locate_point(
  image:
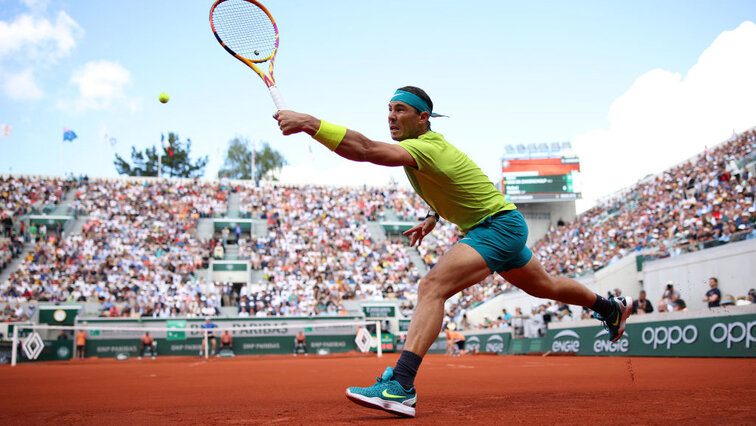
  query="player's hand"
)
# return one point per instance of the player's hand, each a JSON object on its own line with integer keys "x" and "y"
{"x": 291, "y": 122}
{"x": 418, "y": 232}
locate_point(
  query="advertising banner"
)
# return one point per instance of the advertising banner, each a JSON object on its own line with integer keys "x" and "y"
{"x": 725, "y": 336}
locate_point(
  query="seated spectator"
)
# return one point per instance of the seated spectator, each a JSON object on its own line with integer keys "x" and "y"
{"x": 727, "y": 300}
{"x": 641, "y": 305}
{"x": 670, "y": 296}
{"x": 680, "y": 305}
{"x": 713, "y": 296}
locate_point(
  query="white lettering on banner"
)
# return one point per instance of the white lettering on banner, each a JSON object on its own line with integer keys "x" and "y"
{"x": 261, "y": 346}
{"x": 566, "y": 345}
{"x": 621, "y": 345}
{"x": 103, "y": 349}
{"x": 473, "y": 344}
{"x": 746, "y": 333}
{"x": 602, "y": 344}
{"x": 495, "y": 343}
{"x": 332, "y": 344}
{"x": 661, "y": 336}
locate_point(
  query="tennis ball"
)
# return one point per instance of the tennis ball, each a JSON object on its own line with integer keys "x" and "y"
{"x": 257, "y": 52}
{"x": 163, "y": 97}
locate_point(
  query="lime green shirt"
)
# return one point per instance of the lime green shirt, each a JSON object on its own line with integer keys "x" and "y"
{"x": 451, "y": 183}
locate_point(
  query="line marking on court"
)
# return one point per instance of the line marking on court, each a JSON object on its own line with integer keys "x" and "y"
{"x": 460, "y": 366}
{"x": 196, "y": 363}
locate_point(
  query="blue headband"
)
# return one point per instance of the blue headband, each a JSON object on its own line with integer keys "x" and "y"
{"x": 414, "y": 101}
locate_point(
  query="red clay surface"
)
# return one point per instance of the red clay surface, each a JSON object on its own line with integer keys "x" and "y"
{"x": 483, "y": 389}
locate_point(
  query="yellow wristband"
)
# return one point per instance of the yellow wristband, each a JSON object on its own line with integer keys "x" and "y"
{"x": 330, "y": 135}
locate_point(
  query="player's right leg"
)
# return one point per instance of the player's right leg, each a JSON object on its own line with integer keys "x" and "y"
{"x": 533, "y": 279}
{"x": 394, "y": 391}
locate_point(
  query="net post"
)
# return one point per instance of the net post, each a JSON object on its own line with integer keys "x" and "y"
{"x": 14, "y": 346}
{"x": 207, "y": 345}
{"x": 379, "y": 351}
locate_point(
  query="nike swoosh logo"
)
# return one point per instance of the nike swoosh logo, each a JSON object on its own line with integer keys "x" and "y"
{"x": 388, "y": 395}
{"x": 619, "y": 316}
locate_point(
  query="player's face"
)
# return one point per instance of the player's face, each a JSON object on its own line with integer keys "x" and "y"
{"x": 405, "y": 122}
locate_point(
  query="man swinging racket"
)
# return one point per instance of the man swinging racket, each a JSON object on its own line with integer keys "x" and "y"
{"x": 456, "y": 189}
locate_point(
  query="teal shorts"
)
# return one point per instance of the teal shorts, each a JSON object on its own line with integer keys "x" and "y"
{"x": 500, "y": 239}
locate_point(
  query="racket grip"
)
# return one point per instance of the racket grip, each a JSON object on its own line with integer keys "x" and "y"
{"x": 277, "y": 98}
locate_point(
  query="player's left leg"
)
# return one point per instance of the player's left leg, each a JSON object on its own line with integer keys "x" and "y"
{"x": 533, "y": 279}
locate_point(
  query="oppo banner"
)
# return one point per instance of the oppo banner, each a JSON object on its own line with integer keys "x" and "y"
{"x": 726, "y": 336}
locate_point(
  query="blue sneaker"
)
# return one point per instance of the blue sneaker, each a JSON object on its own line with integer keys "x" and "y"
{"x": 386, "y": 394}
{"x": 615, "y": 322}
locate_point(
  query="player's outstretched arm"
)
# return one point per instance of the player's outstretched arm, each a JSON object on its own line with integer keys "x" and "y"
{"x": 353, "y": 145}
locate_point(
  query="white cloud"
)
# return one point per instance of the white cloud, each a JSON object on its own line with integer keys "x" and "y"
{"x": 21, "y": 86}
{"x": 30, "y": 42}
{"x": 99, "y": 83}
{"x": 665, "y": 118}
{"x": 36, "y": 37}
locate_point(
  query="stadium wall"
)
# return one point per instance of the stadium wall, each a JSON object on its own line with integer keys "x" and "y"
{"x": 734, "y": 265}
{"x": 719, "y": 332}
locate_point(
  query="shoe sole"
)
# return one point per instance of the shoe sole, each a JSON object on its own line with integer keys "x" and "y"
{"x": 392, "y": 407}
{"x": 626, "y": 311}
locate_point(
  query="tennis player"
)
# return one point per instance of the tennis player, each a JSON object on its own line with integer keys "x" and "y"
{"x": 456, "y": 189}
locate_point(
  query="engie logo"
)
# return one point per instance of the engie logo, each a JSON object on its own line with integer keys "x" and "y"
{"x": 668, "y": 336}
{"x": 473, "y": 344}
{"x": 721, "y": 332}
{"x": 566, "y": 345}
{"x": 602, "y": 344}
{"x": 495, "y": 343}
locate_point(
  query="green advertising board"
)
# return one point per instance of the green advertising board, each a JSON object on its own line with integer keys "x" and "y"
{"x": 379, "y": 311}
{"x": 714, "y": 336}
{"x": 58, "y": 315}
{"x": 476, "y": 341}
{"x": 270, "y": 345}
{"x": 49, "y": 220}
{"x": 251, "y": 336}
{"x": 245, "y": 224}
{"x": 230, "y": 266}
{"x": 176, "y": 335}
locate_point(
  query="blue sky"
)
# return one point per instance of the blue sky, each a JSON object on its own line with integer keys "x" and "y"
{"x": 637, "y": 86}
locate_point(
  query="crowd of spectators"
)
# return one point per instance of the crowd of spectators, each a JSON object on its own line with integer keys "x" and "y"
{"x": 318, "y": 238}
{"x": 701, "y": 203}
{"x": 21, "y": 195}
{"x": 138, "y": 252}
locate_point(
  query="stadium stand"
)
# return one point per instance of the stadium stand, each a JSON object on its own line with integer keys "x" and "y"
{"x": 138, "y": 254}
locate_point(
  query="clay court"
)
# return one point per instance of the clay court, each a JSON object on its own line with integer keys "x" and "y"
{"x": 482, "y": 389}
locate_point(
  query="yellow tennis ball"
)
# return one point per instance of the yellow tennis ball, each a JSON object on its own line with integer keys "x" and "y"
{"x": 163, "y": 97}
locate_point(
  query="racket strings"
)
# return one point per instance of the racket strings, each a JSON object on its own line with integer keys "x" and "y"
{"x": 245, "y": 28}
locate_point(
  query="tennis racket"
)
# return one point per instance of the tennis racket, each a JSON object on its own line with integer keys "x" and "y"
{"x": 247, "y": 31}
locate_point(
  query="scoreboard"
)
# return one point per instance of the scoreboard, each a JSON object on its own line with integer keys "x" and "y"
{"x": 541, "y": 179}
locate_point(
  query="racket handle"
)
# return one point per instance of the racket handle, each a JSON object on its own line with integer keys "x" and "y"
{"x": 277, "y": 98}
